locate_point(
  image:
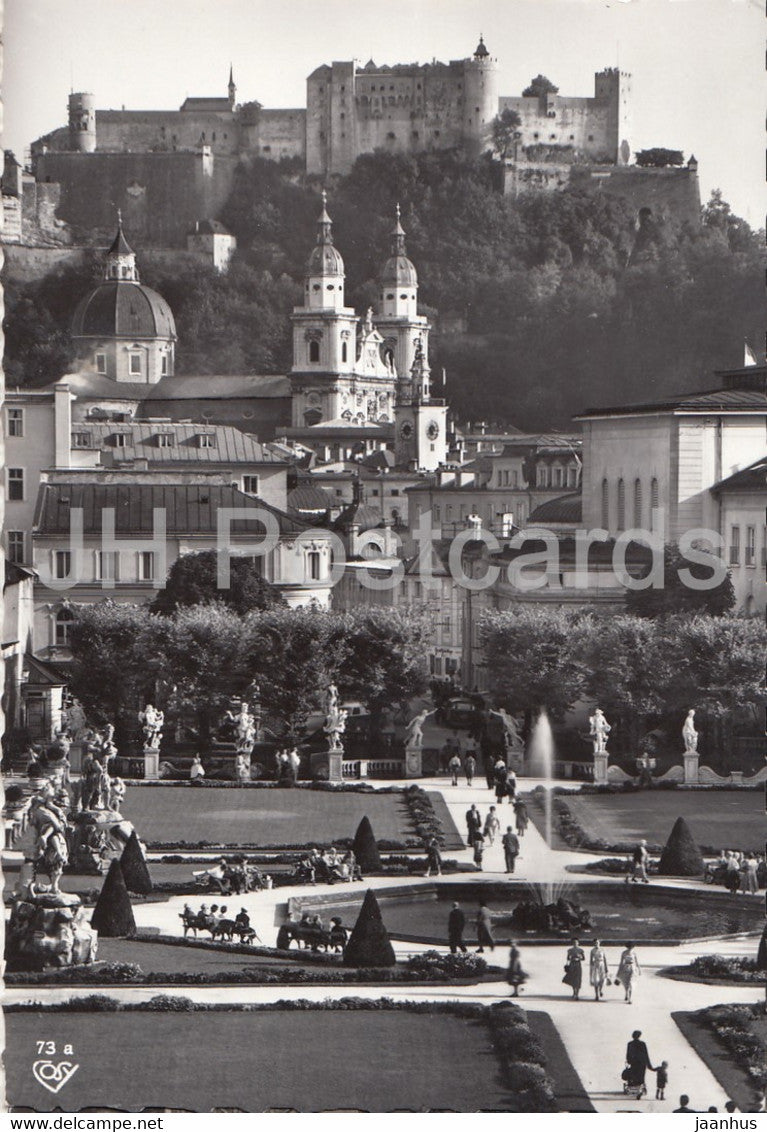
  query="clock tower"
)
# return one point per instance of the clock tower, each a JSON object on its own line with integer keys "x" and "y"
{"x": 420, "y": 422}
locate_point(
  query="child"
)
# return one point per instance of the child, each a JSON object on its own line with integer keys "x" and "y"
{"x": 479, "y": 849}
{"x": 661, "y": 1080}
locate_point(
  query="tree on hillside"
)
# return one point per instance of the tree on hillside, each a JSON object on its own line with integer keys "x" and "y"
{"x": 659, "y": 158}
{"x": 675, "y": 597}
{"x": 193, "y": 580}
{"x": 506, "y": 131}
{"x": 539, "y": 86}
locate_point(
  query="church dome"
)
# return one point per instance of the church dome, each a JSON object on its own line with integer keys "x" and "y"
{"x": 123, "y": 309}
{"x": 325, "y": 260}
{"x": 399, "y": 271}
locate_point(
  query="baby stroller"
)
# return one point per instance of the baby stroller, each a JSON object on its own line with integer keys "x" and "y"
{"x": 633, "y": 1082}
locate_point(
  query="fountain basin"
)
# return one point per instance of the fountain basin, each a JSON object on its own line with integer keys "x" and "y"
{"x": 654, "y": 913}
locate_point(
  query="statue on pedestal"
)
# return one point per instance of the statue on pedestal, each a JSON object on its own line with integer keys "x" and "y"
{"x": 414, "y": 733}
{"x": 689, "y": 734}
{"x": 152, "y": 721}
{"x": 48, "y": 853}
{"x": 599, "y": 729}
{"x": 511, "y": 731}
{"x": 244, "y": 725}
{"x": 335, "y": 719}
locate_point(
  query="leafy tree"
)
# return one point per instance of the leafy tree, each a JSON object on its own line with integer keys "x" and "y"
{"x": 378, "y": 655}
{"x": 505, "y": 131}
{"x": 539, "y": 86}
{"x": 659, "y": 158}
{"x": 674, "y": 597}
{"x": 193, "y": 580}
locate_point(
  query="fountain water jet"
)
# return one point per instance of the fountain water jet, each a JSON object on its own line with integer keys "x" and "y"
{"x": 540, "y": 758}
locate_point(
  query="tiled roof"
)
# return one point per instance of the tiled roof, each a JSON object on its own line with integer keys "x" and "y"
{"x": 194, "y": 103}
{"x": 362, "y": 515}
{"x": 563, "y": 509}
{"x": 190, "y": 509}
{"x": 310, "y": 497}
{"x": 207, "y": 387}
{"x": 716, "y": 400}
{"x": 752, "y": 478}
{"x": 230, "y": 445}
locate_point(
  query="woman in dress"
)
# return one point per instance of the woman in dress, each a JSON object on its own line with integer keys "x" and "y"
{"x": 628, "y": 971}
{"x": 752, "y": 875}
{"x": 637, "y": 1064}
{"x": 515, "y": 975}
{"x": 484, "y": 928}
{"x": 479, "y": 849}
{"x": 574, "y": 968}
{"x": 521, "y": 817}
{"x": 597, "y": 969}
{"x": 492, "y": 825}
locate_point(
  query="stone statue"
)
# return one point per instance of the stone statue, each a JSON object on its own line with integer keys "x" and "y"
{"x": 152, "y": 721}
{"x": 599, "y": 730}
{"x": 244, "y": 724}
{"x": 49, "y": 852}
{"x": 689, "y": 734}
{"x": 116, "y": 794}
{"x": 331, "y": 699}
{"x": 414, "y": 733}
{"x": 511, "y": 730}
{"x": 76, "y": 722}
{"x": 335, "y": 722}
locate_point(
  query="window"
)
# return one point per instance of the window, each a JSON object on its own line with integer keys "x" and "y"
{"x": 134, "y": 364}
{"x": 621, "y": 505}
{"x": 637, "y": 503}
{"x": 250, "y": 485}
{"x": 207, "y": 440}
{"x": 734, "y": 546}
{"x": 15, "y": 422}
{"x": 16, "y": 546}
{"x": 654, "y": 501}
{"x": 106, "y": 565}
{"x": 62, "y": 563}
{"x": 146, "y": 566}
{"x": 16, "y": 484}
{"x": 750, "y": 546}
{"x": 344, "y": 351}
{"x": 101, "y": 363}
{"x": 313, "y": 558}
{"x": 542, "y": 477}
{"x": 64, "y": 619}
{"x": 165, "y": 439}
{"x": 558, "y": 477}
{"x": 120, "y": 439}
{"x": 164, "y": 365}
{"x": 81, "y": 440}
{"x": 314, "y": 351}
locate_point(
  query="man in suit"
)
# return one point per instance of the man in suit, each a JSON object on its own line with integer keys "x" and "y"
{"x": 473, "y": 825}
{"x": 510, "y": 843}
{"x": 456, "y": 922}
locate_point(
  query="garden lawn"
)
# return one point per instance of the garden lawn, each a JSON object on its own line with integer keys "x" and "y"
{"x": 168, "y": 815}
{"x": 718, "y": 819}
{"x": 725, "y": 1065}
{"x": 373, "y": 1061}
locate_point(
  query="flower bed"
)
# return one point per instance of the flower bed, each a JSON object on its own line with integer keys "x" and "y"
{"x": 722, "y": 970}
{"x": 740, "y": 1031}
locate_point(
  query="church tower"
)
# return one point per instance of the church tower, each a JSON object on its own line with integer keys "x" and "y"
{"x": 335, "y": 377}
{"x": 231, "y": 88}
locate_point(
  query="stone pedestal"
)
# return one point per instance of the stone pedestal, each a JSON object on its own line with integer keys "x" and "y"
{"x": 691, "y": 764}
{"x": 151, "y": 763}
{"x": 413, "y": 762}
{"x": 600, "y": 768}
{"x": 48, "y": 930}
{"x": 335, "y": 766}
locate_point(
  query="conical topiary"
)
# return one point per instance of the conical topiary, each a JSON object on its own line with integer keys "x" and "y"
{"x": 369, "y": 944}
{"x": 681, "y": 856}
{"x": 365, "y": 848}
{"x": 134, "y": 867}
{"x": 113, "y": 914}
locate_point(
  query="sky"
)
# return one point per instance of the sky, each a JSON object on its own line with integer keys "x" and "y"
{"x": 697, "y": 65}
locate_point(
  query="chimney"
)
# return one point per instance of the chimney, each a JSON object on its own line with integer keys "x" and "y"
{"x": 62, "y": 425}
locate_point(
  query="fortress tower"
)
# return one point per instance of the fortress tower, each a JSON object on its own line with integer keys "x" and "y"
{"x": 82, "y": 123}
{"x": 480, "y": 97}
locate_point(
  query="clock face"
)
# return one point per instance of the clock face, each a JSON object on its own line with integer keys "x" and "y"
{"x": 406, "y": 430}
{"x": 432, "y": 430}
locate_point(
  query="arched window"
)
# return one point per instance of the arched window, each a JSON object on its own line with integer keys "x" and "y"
{"x": 621, "y": 505}
{"x": 637, "y": 502}
{"x": 344, "y": 351}
{"x": 64, "y": 619}
{"x": 314, "y": 351}
{"x": 654, "y": 501}
{"x": 605, "y": 504}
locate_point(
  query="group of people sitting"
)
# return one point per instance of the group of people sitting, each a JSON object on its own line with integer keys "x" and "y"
{"x": 328, "y": 866}
{"x": 312, "y": 922}
{"x": 219, "y": 922}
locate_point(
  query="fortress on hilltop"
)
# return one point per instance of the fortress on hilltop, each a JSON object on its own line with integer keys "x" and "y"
{"x": 169, "y": 169}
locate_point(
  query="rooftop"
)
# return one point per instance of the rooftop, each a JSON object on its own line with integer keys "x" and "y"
{"x": 752, "y": 478}
{"x": 708, "y": 401}
{"x": 223, "y": 444}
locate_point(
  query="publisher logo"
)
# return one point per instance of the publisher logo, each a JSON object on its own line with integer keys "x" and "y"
{"x": 53, "y": 1075}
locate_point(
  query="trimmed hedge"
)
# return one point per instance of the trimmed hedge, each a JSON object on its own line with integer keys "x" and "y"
{"x": 733, "y": 1025}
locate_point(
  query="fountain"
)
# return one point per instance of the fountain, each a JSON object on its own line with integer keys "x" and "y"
{"x": 540, "y": 759}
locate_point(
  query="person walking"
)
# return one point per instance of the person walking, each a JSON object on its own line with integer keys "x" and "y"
{"x": 628, "y": 971}
{"x": 511, "y": 786}
{"x": 469, "y": 766}
{"x": 515, "y": 976}
{"x": 473, "y": 825}
{"x": 574, "y": 968}
{"x": 499, "y": 779}
{"x": 732, "y": 876}
{"x": 197, "y": 771}
{"x": 510, "y": 843}
{"x": 521, "y": 816}
{"x": 598, "y": 972}
{"x": 479, "y": 850}
{"x": 454, "y": 766}
{"x": 751, "y": 886}
{"x": 456, "y": 923}
{"x": 492, "y": 825}
{"x": 637, "y": 1064}
{"x": 661, "y": 1080}
{"x": 639, "y": 860}
{"x": 484, "y": 928}
{"x": 433, "y": 858}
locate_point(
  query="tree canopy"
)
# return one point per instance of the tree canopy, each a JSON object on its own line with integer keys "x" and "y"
{"x": 658, "y": 157}
{"x": 539, "y": 86}
{"x": 193, "y": 580}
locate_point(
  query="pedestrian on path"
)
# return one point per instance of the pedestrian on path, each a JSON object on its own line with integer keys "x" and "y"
{"x": 751, "y": 876}
{"x": 574, "y": 968}
{"x": 661, "y": 1080}
{"x": 637, "y": 1064}
{"x": 484, "y": 928}
{"x": 639, "y": 861}
{"x": 479, "y": 850}
{"x": 499, "y": 778}
{"x": 456, "y": 923}
{"x": 492, "y": 825}
{"x": 469, "y": 766}
{"x": 454, "y": 766}
{"x": 487, "y": 764}
{"x": 515, "y": 975}
{"x": 511, "y": 786}
{"x": 510, "y": 843}
{"x": 628, "y": 971}
{"x": 473, "y": 825}
{"x": 598, "y": 973}
{"x": 521, "y": 816}
{"x": 433, "y": 858}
